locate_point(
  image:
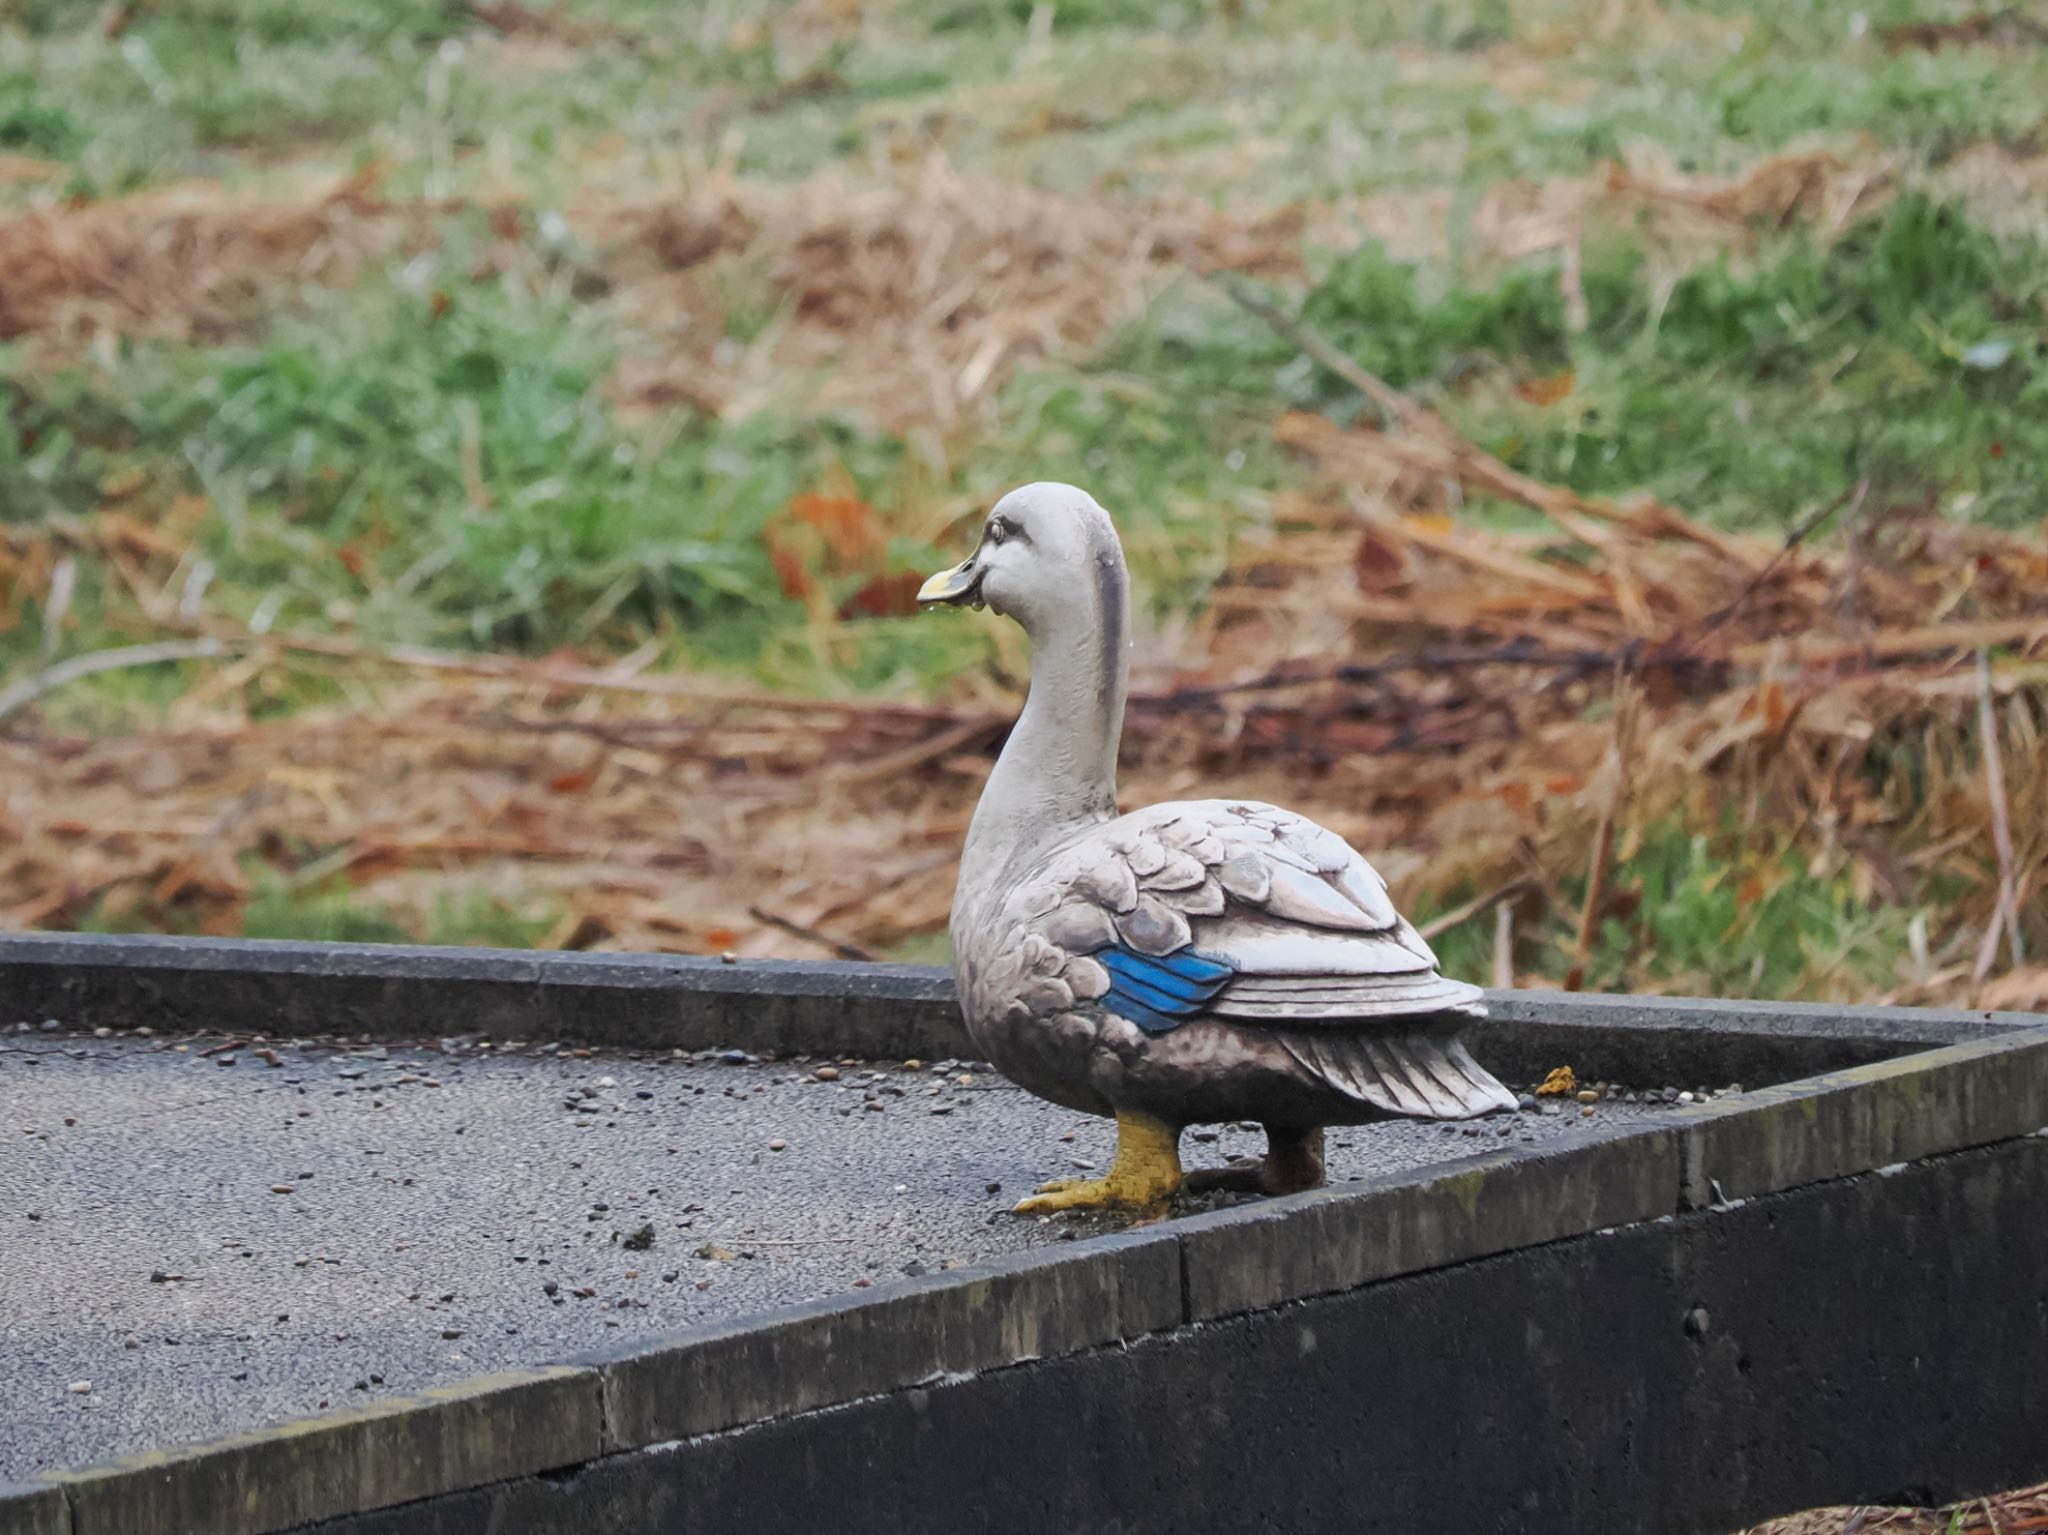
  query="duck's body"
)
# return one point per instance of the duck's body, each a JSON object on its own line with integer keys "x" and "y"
{"x": 1195, "y": 961}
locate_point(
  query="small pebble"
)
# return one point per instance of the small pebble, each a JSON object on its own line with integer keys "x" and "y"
{"x": 1526, "y": 1102}
{"x": 79, "y": 1387}
{"x": 827, "y": 1073}
{"x": 1586, "y": 1112}
{"x": 281, "y": 1188}
{"x": 1685, "y": 1097}
{"x": 778, "y": 1145}
{"x": 734, "y": 1057}
{"x": 451, "y": 1332}
{"x": 1588, "y": 1095}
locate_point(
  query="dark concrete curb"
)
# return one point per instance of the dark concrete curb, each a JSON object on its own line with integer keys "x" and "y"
{"x": 1031, "y": 1306}
{"x": 33, "y": 1510}
{"x": 395, "y": 991}
{"x": 1875, "y": 1116}
{"x": 1280, "y": 1250}
{"x": 488, "y": 1429}
{"x": 884, "y": 1012}
{"x": 1859, "y": 1341}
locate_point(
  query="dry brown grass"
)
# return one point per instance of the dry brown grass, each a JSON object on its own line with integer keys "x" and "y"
{"x": 1417, "y": 684}
{"x": 905, "y": 303}
{"x": 191, "y": 264}
{"x": 2011, "y": 1513}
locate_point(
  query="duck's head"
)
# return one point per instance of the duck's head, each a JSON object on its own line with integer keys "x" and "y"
{"x": 1048, "y": 556}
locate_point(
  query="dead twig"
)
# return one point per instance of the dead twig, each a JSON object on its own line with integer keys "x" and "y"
{"x": 810, "y": 934}
{"x": 1601, "y": 866}
{"x": 2008, "y": 911}
{"x": 48, "y": 680}
{"x": 556, "y": 674}
{"x": 1853, "y": 498}
{"x": 1394, "y": 406}
{"x": 1504, "y": 945}
{"x": 1472, "y": 908}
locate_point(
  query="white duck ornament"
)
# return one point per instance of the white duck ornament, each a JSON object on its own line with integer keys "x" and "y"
{"x": 1198, "y": 961}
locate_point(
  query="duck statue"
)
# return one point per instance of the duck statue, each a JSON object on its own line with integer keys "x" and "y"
{"x": 1194, "y": 962}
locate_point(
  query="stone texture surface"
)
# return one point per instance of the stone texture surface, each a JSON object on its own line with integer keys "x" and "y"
{"x": 1864, "y": 1340}
{"x": 1312, "y": 1244}
{"x": 1868, "y": 1117}
{"x": 486, "y": 1430}
{"x": 1032, "y": 1306}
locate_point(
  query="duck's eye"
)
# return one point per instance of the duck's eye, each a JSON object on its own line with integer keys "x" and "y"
{"x": 998, "y": 531}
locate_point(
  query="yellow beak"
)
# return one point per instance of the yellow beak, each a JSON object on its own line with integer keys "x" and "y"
{"x": 954, "y": 585}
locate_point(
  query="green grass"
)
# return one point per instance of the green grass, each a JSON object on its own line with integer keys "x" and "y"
{"x": 1911, "y": 352}
{"x": 1731, "y": 913}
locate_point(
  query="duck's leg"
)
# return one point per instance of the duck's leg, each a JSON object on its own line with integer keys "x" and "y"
{"x": 1293, "y": 1162}
{"x": 1144, "y": 1174}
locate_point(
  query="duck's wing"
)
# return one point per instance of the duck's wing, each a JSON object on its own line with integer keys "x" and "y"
{"x": 1247, "y": 913}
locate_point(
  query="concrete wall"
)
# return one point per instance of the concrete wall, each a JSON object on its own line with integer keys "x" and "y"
{"x": 1875, "y": 1338}
{"x": 1820, "y": 1291}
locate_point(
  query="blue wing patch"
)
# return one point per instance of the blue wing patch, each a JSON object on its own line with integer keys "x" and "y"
{"x": 1160, "y": 992}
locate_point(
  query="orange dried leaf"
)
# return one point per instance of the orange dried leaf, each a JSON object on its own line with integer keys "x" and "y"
{"x": 1548, "y": 389}
{"x": 790, "y": 575}
{"x": 892, "y": 596}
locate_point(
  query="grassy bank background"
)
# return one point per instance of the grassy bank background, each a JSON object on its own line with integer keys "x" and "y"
{"x": 1592, "y": 455}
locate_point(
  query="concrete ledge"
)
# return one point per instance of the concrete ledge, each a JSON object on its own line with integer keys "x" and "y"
{"x": 33, "y": 1511}
{"x": 1338, "y": 1239}
{"x": 396, "y": 991}
{"x": 1033, "y": 1306}
{"x": 1710, "y": 1041}
{"x": 884, "y": 1012}
{"x": 1874, "y": 1116}
{"x": 1863, "y": 1340}
{"x": 488, "y": 1429}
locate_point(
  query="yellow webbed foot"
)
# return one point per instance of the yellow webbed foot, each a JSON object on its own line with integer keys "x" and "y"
{"x": 1061, "y": 1185}
{"x": 1144, "y": 1175}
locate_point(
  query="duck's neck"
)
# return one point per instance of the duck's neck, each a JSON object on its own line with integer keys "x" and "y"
{"x": 1057, "y": 772}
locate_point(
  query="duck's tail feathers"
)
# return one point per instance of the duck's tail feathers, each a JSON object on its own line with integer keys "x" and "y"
{"x": 1424, "y": 1074}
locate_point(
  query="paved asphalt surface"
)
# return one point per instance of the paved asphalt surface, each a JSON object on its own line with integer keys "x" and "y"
{"x": 195, "y": 1242}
